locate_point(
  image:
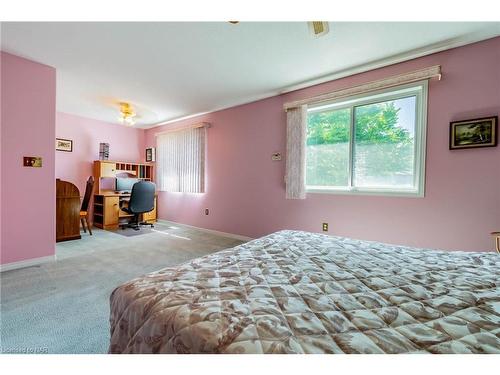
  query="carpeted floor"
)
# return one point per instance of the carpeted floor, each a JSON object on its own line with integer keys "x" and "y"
{"x": 63, "y": 306}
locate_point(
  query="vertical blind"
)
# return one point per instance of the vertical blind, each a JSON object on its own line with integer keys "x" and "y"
{"x": 181, "y": 160}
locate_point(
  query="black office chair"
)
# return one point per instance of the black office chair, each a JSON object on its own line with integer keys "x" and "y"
{"x": 142, "y": 200}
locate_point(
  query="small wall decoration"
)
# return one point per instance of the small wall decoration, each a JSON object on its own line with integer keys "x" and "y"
{"x": 103, "y": 151}
{"x": 32, "y": 161}
{"x": 150, "y": 154}
{"x": 64, "y": 145}
{"x": 481, "y": 132}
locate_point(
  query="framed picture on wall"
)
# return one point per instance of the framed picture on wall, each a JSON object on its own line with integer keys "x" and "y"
{"x": 150, "y": 154}
{"x": 64, "y": 145}
{"x": 481, "y": 132}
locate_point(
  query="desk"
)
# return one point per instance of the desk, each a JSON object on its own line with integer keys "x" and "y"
{"x": 107, "y": 212}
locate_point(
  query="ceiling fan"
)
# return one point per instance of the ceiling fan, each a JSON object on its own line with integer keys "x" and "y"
{"x": 127, "y": 114}
{"x": 317, "y": 28}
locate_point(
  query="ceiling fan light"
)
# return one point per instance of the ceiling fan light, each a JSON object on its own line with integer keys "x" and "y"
{"x": 129, "y": 121}
{"x": 128, "y": 114}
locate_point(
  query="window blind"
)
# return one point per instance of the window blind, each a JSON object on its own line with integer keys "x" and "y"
{"x": 181, "y": 160}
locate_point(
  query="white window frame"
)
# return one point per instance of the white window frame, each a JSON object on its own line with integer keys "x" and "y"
{"x": 417, "y": 89}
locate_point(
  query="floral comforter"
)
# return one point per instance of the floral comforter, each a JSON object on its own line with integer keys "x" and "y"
{"x": 299, "y": 292}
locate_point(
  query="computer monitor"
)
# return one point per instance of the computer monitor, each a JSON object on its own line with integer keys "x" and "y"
{"x": 124, "y": 185}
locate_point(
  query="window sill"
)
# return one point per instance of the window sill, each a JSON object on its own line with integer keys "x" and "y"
{"x": 373, "y": 192}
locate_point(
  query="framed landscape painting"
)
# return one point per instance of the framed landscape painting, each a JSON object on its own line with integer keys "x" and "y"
{"x": 64, "y": 145}
{"x": 481, "y": 132}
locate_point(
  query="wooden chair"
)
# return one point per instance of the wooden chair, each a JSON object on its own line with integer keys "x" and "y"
{"x": 84, "y": 213}
{"x": 497, "y": 240}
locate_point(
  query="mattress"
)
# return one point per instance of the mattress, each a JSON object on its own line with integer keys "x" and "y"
{"x": 299, "y": 292}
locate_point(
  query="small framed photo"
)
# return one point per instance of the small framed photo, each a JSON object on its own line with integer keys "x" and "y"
{"x": 64, "y": 145}
{"x": 150, "y": 154}
{"x": 481, "y": 132}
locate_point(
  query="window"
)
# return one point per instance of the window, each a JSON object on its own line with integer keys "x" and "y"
{"x": 373, "y": 143}
{"x": 181, "y": 160}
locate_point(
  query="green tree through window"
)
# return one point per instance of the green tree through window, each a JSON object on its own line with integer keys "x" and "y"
{"x": 383, "y": 149}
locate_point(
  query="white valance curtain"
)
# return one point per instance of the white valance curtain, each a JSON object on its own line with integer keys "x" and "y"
{"x": 401, "y": 79}
{"x": 181, "y": 160}
{"x": 295, "y": 177}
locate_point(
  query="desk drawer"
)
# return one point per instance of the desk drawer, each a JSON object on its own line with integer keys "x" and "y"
{"x": 150, "y": 216}
{"x": 111, "y": 210}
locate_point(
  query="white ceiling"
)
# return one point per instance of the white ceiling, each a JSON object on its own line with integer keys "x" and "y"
{"x": 170, "y": 70}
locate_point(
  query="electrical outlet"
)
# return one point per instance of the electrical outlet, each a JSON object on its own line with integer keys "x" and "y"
{"x": 207, "y": 211}
{"x": 325, "y": 227}
{"x": 276, "y": 156}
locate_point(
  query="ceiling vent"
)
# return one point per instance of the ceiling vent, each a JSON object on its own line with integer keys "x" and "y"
{"x": 318, "y": 28}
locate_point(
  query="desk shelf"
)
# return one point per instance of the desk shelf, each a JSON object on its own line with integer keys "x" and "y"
{"x": 127, "y": 172}
{"x": 113, "y": 169}
{"x": 107, "y": 212}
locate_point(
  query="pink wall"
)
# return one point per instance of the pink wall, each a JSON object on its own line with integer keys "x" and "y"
{"x": 245, "y": 190}
{"x": 1, "y": 131}
{"x": 125, "y": 144}
{"x": 28, "y": 129}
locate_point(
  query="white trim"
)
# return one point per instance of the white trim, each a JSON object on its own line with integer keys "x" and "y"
{"x": 177, "y": 119}
{"x": 374, "y": 192}
{"x": 396, "y": 59}
{"x": 27, "y": 263}
{"x": 352, "y": 130}
{"x": 223, "y": 234}
{"x": 180, "y": 128}
{"x": 421, "y": 135}
{"x": 367, "y": 98}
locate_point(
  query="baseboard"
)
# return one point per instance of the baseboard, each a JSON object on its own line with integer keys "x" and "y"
{"x": 27, "y": 263}
{"x": 222, "y": 234}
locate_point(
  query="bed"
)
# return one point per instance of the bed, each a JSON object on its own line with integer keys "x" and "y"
{"x": 300, "y": 292}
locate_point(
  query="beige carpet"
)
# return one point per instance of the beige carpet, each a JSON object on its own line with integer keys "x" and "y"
{"x": 63, "y": 307}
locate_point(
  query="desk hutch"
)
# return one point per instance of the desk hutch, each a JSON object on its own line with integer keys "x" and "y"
{"x": 107, "y": 212}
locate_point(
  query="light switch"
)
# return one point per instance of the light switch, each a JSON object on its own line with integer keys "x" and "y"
{"x": 32, "y": 161}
